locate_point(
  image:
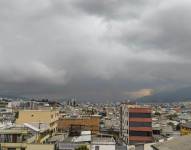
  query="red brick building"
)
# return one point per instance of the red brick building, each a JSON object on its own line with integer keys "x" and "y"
{"x": 83, "y": 123}
{"x": 136, "y": 124}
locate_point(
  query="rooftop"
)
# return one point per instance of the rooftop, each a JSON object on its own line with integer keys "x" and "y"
{"x": 137, "y": 106}
{"x": 14, "y": 130}
{"x": 81, "y": 117}
{"x": 82, "y": 138}
{"x": 180, "y": 143}
{"x": 38, "y": 127}
{"x": 37, "y": 110}
{"x": 103, "y": 140}
{"x": 57, "y": 138}
{"x": 187, "y": 125}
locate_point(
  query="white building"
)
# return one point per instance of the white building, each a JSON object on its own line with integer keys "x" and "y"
{"x": 103, "y": 143}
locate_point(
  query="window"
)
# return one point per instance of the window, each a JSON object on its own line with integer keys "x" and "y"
{"x": 96, "y": 147}
{"x": 140, "y": 124}
{"x": 140, "y": 133}
{"x": 139, "y": 115}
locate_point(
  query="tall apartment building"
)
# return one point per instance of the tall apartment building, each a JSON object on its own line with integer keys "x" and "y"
{"x": 135, "y": 124}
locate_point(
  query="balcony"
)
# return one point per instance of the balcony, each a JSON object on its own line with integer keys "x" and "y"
{"x": 140, "y": 110}
{"x": 141, "y": 138}
{"x": 140, "y": 119}
{"x": 140, "y": 128}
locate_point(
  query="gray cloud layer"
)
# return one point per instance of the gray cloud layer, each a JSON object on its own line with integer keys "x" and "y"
{"x": 96, "y": 49}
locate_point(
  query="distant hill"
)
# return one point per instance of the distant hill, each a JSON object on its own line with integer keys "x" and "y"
{"x": 10, "y": 97}
{"x": 183, "y": 94}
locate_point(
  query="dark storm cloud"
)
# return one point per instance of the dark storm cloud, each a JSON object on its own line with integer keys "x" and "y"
{"x": 114, "y": 9}
{"x": 96, "y": 49}
{"x": 166, "y": 28}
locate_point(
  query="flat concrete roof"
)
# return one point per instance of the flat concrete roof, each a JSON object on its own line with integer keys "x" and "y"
{"x": 180, "y": 143}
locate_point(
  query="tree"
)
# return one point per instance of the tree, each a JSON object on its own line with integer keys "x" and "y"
{"x": 82, "y": 147}
{"x": 157, "y": 113}
{"x": 172, "y": 116}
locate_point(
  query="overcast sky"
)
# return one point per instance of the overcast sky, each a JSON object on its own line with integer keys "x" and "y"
{"x": 94, "y": 49}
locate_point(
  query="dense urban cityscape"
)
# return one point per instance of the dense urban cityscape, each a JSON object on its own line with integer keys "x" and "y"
{"x": 95, "y": 75}
{"x": 71, "y": 125}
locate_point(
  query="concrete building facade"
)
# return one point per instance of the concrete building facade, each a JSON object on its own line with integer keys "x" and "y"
{"x": 49, "y": 117}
